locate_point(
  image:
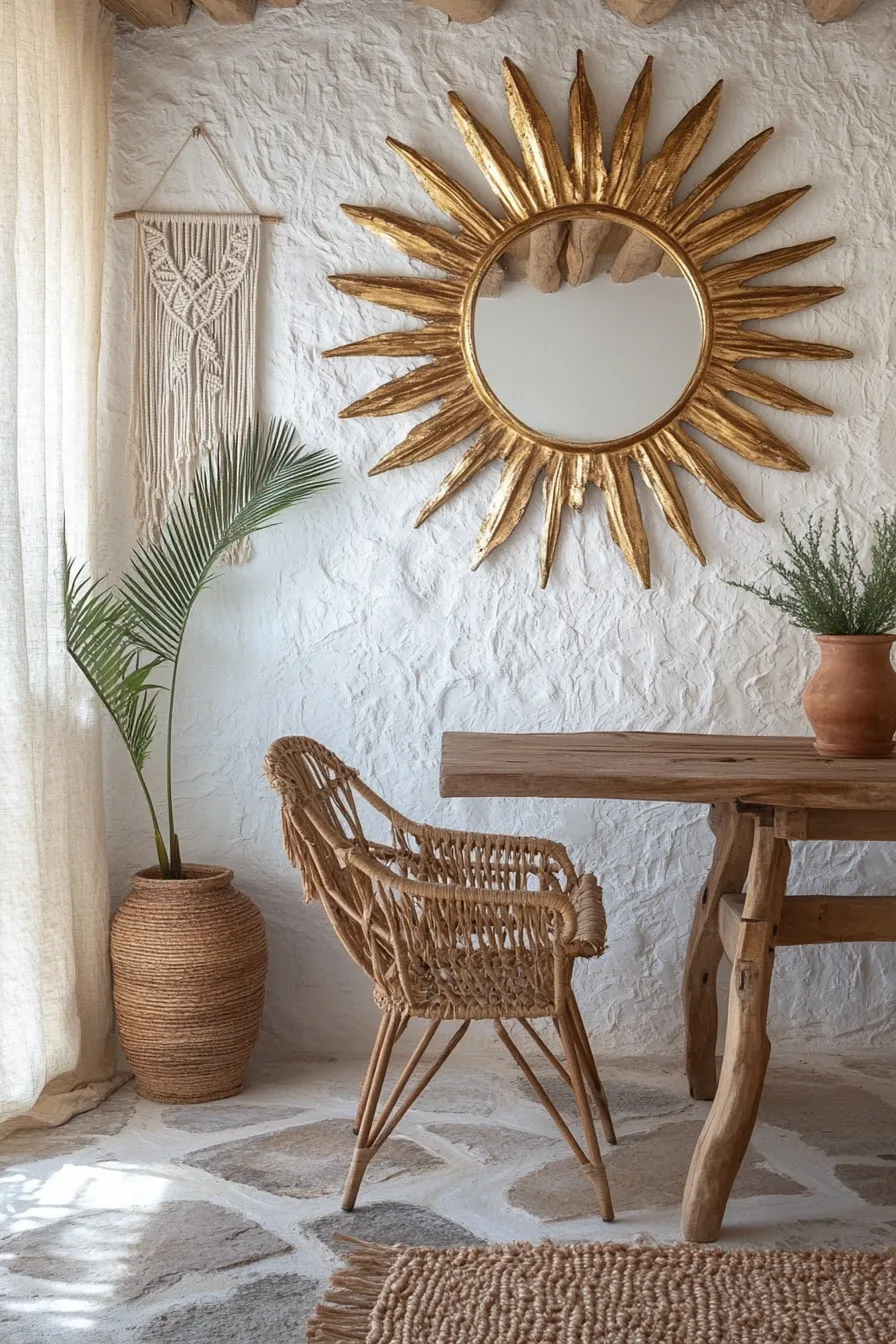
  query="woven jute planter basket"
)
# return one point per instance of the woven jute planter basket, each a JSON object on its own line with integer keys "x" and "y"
{"x": 189, "y": 959}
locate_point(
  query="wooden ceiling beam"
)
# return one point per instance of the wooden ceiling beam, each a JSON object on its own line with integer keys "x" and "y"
{"x": 463, "y": 11}
{"x": 638, "y": 256}
{"x": 645, "y": 12}
{"x": 229, "y": 11}
{"x": 830, "y": 11}
{"x": 151, "y": 13}
{"x": 642, "y": 13}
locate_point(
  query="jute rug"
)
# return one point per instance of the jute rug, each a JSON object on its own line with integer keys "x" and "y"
{"x": 595, "y": 1294}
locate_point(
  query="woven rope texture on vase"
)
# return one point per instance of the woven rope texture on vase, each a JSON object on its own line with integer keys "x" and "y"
{"x": 189, "y": 960}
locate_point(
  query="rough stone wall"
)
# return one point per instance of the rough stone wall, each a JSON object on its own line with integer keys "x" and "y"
{"x": 374, "y": 638}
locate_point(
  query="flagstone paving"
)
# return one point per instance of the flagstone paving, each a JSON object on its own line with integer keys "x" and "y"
{"x": 37, "y": 1145}
{"x": 219, "y": 1115}
{"x": 307, "y": 1161}
{"x": 272, "y": 1310}
{"x": 876, "y": 1185}
{"x": 126, "y": 1254}
{"x": 145, "y": 1224}
{"x": 646, "y": 1172}
{"x": 390, "y": 1223}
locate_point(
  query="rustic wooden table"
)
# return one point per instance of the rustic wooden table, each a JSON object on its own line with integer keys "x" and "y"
{"x": 763, "y": 793}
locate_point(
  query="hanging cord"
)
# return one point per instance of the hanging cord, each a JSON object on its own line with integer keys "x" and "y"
{"x": 200, "y": 133}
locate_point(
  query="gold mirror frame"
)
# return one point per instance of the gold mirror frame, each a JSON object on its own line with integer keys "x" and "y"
{"x": 641, "y": 195}
{"x": 574, "y": 213}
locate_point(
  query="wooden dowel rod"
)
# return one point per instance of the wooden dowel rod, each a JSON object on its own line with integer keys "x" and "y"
{"x": 382, "y": 1131}
{"x": 397, "y": 1023}
{"x": 399, "y": 1087}
{"x": 265, "y": 219}
{"x": 545, "y": 1050}
{"x": 513, "y": 1049}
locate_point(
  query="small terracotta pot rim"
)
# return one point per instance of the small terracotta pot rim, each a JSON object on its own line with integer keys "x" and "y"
{"x": 193, "y": 872}
{"x": 855, "y": 639}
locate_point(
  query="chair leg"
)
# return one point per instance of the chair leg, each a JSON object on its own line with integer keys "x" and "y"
{"x": 372, "y": 1129}
{"x": 368, "y": 1077}
{"x": 596, "y": 1171}
{"x": 589, "y": 1068}
{"x": 370, "y": 1095}
{"x": 586, "y": 1059}
{"x": 592, "y": 1160}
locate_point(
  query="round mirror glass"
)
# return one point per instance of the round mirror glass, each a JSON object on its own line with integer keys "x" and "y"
{"x": 586, "y": 330}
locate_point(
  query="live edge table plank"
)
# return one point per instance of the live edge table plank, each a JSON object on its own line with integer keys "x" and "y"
{"x": 763, "y": 793}
{"x": 670, "y": 767}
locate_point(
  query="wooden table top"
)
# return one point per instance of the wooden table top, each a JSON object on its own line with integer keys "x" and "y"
{"x": 662, "y": 767}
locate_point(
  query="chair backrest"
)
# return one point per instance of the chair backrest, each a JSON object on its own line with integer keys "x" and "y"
{"x": 322, "y": 801}
{"x": 407, "y": 908}
{"x": 320, "y": 790}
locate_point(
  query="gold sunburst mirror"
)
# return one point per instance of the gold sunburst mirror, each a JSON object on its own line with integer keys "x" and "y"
{"x": 584, "y": 334}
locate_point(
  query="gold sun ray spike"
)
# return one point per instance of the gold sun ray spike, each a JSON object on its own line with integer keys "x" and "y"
{"x": 622, "y": 204}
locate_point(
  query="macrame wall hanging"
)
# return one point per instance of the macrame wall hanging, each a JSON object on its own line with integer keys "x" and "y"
{"x": 195, "y": 286}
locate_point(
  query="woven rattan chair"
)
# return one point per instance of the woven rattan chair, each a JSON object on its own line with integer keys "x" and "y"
{"x": 450, "y": 926}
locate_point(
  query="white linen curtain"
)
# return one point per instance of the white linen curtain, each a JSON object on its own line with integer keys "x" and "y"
{"x": 55, "y": 1009}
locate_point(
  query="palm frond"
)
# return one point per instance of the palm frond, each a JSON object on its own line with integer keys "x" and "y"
{"x": 239, "y": 491}
{"x": 118, "y": 637}
{"x": 98, "y": 639}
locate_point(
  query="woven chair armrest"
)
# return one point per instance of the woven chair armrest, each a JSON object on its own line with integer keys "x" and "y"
{"x": 358, "y": 857}
{"x": 485, "y": 841}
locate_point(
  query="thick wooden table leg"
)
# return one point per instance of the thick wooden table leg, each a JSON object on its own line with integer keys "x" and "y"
{"x": 730, "y": 863}
{"x": 726, "y": 1134}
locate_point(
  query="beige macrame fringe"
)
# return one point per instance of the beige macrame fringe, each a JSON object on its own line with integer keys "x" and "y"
{"x": 343, "y": 1317}
{"x": 195, "y": 286}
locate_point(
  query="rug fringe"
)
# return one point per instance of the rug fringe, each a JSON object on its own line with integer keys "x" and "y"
{"x": 343, "y": 1317}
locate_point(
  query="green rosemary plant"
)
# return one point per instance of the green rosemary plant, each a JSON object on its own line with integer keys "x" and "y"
{"x": 824, "y": 585}
{"x": 123, "y": 638}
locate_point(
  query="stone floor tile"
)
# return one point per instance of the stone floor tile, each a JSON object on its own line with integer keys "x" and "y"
{"x": 307, "y": 1161}
{"x": 646, "y": 1171}
{"x": 873, "y": 1066}
{"x": 827, "y": 1234}
{"x": 875, "y": 1184}
{"x": 29, "y": 1323}
{"x": 121, "y": 1255}
{"x": 460, "y": 1092}
{"x": 497, "y": 1143}
{"x": 36, "y": 1145}
{"x": 391, "y": 1223}
{"x": 270, "y": 1310}
{"x": 827, "y": 1113}
{"x": 629, "y": 1097}
{"x": 192, "y": 1290}
{"x": 217, "y": 1115}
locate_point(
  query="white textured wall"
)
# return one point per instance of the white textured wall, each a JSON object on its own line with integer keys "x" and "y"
{"x": 354, "y": 628}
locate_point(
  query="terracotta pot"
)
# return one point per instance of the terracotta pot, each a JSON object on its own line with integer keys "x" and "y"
{"x": 188, "y": 961}
{"x": 851, "y": 700}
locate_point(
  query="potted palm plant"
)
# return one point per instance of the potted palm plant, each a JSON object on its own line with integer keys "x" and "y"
{"x": 850, "y": 701}
{"x": 188, "y": 950}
